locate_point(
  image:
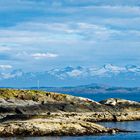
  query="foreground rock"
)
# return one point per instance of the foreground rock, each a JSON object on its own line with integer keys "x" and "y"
{"x": 53, "y": 127}
{"x": 38, "y": 113}
{"x": 31, "y": 102}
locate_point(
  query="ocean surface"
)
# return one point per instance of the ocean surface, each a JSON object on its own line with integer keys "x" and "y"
{"x": 128, "y": 125}
{"x": 103, "y": 96}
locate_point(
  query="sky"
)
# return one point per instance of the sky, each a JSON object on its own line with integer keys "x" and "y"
{"x": 36, "y": 35}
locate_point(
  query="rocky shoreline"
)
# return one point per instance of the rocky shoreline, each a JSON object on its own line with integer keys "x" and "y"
{"x": 39, "y": 113}
{"x": 53, "y": 127}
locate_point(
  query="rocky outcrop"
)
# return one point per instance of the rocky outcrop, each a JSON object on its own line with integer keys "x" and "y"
{"x": 31, "y": 112}
{"x": 121, "y": 105}
{"x": 118, "y": 102}
{"x": 53, "y": 127}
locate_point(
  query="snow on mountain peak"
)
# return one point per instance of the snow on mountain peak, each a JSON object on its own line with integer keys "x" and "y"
{"x": 67, "y": 72}
{"x": 133, "y": 68}
{"x": 115, "y": 69}
{"x": 109, "y": 73}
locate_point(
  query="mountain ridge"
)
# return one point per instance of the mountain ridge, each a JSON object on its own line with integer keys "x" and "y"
{"x": 113, "y": 75}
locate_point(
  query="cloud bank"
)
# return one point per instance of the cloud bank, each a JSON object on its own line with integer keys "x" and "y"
{"x": 79, "y": 32}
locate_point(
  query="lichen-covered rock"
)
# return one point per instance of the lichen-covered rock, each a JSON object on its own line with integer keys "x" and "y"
{"x": 121, "y": 105}
{"x": 42, "y": 127}
{"x": 34, "y": 102}
{"x": 39, "y": 113}
{"x": 117, "y": 101}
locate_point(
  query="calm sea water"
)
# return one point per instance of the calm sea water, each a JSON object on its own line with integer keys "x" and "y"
{"x": 103, "y": 96}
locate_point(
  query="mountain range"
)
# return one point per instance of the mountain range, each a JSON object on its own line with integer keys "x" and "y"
{"x": 123, "y": 76}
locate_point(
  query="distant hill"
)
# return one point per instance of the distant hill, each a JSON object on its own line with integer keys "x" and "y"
{"x": 91, "y": 88}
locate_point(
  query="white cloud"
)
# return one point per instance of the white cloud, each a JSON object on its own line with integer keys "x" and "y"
{"x": 4, "y": 48}
{"x": 93, "y": 28}
{"x": 6, "y": 75}
{"x": 3, "y": 67}
{"x": 9, "y": 75}
{"x": 43, "y": 33}
{"x": 30, "y": 33}
{"x": 43, "y": 55}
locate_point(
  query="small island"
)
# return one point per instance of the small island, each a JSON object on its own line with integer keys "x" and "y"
{"x": 42, "y": 113}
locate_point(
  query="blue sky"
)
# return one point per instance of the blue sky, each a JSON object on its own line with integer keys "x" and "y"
{"x": 36, "y": 35}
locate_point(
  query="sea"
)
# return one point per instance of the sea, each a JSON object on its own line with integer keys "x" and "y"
{"x": 103, "y": 96}
{"x": 128, "y": 125}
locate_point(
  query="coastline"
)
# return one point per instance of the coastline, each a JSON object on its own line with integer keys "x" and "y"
{"x": 39, "y": 113}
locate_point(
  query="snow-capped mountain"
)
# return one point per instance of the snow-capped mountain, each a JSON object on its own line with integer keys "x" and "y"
{"x": 105, "y": 71}
{"x": 69, "y": 76}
